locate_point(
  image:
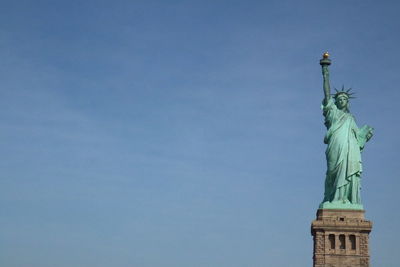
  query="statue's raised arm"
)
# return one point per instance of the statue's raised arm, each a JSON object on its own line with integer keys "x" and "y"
{"x": 325, "y": 62}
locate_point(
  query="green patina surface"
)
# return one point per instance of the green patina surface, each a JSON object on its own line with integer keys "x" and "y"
{"x": 345, "y": 141}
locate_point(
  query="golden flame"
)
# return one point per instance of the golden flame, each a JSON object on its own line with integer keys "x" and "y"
{"x": 325, "y": 55}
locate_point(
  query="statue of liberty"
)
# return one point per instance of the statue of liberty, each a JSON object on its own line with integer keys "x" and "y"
{"x": 343, "y": 154}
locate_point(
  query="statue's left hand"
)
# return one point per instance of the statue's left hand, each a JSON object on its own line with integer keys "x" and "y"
{"x": 363, "y": 135}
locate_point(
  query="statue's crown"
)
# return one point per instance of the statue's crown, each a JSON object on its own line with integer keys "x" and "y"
{"x": 346, "y": 92}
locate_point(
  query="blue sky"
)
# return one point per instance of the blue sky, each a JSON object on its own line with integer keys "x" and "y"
{"x": 186, "y": 133}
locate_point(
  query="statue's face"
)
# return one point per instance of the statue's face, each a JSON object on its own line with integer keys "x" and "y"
{"x": 342, "y": 102}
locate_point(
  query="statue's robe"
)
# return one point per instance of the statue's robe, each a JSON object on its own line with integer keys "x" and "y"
{"x": 343, "y": 155}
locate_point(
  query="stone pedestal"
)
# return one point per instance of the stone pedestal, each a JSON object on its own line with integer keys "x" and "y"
{"x": 341, "y": 238}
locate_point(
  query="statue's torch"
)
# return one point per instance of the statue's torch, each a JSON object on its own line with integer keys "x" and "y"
{"x": 325, "y": 62}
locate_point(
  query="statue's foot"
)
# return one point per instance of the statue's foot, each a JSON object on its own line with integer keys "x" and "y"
{"x": 340, "y": 204}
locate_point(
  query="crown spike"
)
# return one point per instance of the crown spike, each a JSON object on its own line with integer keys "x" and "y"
{"x": 344, "y": 91}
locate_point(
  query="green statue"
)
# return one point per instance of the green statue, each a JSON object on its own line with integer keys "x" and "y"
{"x": 345, "y": 142}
